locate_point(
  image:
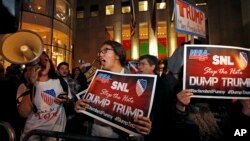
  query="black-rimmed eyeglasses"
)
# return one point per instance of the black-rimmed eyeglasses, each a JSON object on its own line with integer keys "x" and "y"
{"x": 104, "y": 51}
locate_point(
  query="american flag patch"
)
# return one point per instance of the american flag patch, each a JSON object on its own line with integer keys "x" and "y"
{"x": 48, "y": 96}
{"x": 243, "y": 60}
{"x": 141, "y": 86}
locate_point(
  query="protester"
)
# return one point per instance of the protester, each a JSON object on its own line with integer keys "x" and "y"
{"x": 74, "y": 120}
{"x": 73, "y": 85}
{"x": 113, "y": 58}
{"x": 238, "y": 125}
{"x": 22, "y": 90}
{"x": 26, "y": 82}
{"x": 8, "y": 108}
{"x": 168, "y": 76}
{"x": 161, "y": 114}
{"x": 80, "y": 77}
{"x": 42, "y": 107}
{"x": 200, "y": 119}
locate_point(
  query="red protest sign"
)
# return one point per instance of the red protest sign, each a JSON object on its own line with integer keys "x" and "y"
{"x": 117, "y": 99}
{"x": 214, "y": 71}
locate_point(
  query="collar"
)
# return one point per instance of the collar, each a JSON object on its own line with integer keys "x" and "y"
{"x": 122, "y": 71}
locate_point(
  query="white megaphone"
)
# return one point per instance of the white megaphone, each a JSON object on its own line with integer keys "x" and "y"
{"x": 22, "y": 47}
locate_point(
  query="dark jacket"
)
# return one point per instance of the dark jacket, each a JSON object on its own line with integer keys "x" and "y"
{"x": 162, "y": 112}
{"x": 8, "y": 107}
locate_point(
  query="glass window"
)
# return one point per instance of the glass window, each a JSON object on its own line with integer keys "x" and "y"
{"x": 143, "y": 5}
{"x": 110, "y": 9}
{"x": 125, "y": 9}
{"x": 58, "y": 55}
{"x": 160, "y": 5}
{"x": 48, "y": 50}
{"x": 69, "y": 58}
{"x": 80, "y": 12}
{"x": 63, "y": 11}
{"x": 44, "y": 32}
{"x": 39, "y": 24}
{"x": 59, "y": 46}
{"x": 125, "y": 6}
{"x": 60, "y": 41}
{"x": 37, "y": 6}
{"x": 94, "y": 10}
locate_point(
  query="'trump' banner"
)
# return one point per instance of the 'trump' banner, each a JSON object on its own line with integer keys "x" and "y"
{"x": 214, "y": 71}
{"x": 117, "y": 99}
{"x": 189, "y": 19}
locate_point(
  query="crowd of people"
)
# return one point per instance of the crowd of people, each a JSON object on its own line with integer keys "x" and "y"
{"x": 45, "y": 98}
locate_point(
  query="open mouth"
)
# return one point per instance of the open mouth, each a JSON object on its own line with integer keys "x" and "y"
{"x": 103, "y": 62}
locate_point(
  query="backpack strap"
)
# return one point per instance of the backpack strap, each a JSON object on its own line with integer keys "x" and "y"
{"x": 64, "y": 84}
{"x": 18, "y": 100}
{"x": 32, "y": 95}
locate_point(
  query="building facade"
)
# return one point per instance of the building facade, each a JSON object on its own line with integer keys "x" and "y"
{"x": 154, "y": 31}
{"x": 53, "y": 21}
{"x": 227, "y": 23}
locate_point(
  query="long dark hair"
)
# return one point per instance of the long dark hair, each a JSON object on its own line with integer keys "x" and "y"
{"x": 52, "y": 72}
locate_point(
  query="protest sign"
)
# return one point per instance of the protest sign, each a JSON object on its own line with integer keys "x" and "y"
{"x": 189, "y": 19}
{"x": 117, "y": 99}
{"x": 214, "y": 71}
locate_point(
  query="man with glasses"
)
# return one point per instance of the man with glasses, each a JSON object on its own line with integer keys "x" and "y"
{"x": 162, "y": 107}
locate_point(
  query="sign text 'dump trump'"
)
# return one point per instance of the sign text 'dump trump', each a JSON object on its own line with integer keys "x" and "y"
{"x": 118, "y": 99}
{"x": 214, "y": 71}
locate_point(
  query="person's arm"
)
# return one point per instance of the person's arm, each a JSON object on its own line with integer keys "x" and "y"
{"x": 181, "y": 106}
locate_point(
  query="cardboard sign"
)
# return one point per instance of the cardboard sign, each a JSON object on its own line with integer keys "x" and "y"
{"x": 189, "y": 19}
{"x": 214, "y": 71}
{"x": 118, "y": 99}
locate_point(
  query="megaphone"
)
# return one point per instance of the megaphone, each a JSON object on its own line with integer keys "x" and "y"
{"x": 22, "y": 47}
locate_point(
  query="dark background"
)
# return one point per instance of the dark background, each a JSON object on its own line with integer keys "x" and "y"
{"x": 9, "y": 15}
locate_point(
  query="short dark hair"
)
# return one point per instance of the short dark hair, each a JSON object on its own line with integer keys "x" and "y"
{"x": 118, "y": 49}
{"x": 152, "y": 60}
{"x": 62, "y": 63}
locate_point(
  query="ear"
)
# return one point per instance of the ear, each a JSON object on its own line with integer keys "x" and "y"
{"x": 117, "y": 57}
{"x": 153, "y": 67}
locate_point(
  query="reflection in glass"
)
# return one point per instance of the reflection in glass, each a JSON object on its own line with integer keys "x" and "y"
{"x": 37, "y": 6}
{"x": 63, "y": 11}
{"x": 143, "y": 5}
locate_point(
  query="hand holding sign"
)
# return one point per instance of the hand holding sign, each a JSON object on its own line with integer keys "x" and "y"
{"x": 123, "y": 101}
